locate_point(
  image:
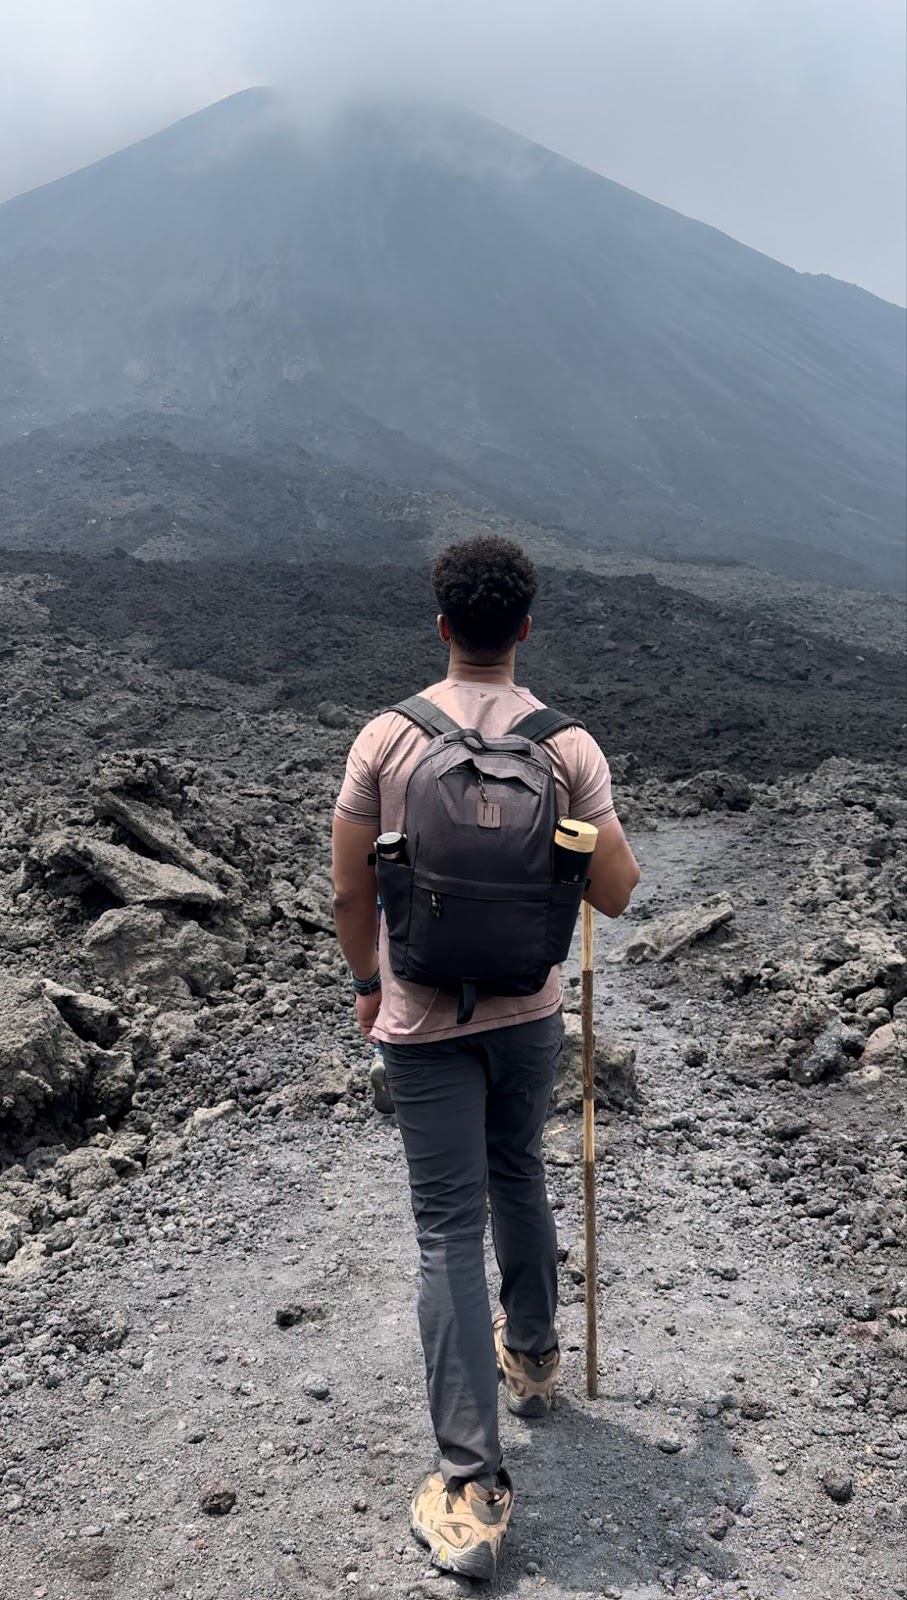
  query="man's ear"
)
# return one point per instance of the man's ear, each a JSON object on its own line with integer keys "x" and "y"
{"x": 525, "y": 630}
{"x": 444, "y": 629}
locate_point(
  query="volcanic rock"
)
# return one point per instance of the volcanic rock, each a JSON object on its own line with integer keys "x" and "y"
{"x": 716, "y": 791}
{"x": 174, "y": 1035}
{"x": 887, "y": 1047}
{"x": 615, "y": 1070}
{"x": 10, "y": 1235}
{"x": 111, "y": 1083}
{"x": 838, "y": 1486}
{"x": 75, "y": 859}
{"x": 826, "y": 1057}
{"x": 665, "y": 937}
{"x": 90, "y": 1016}
{"x": 137, "y": 945}
{"x": 161, "y": 833}
{"x": 41, "y": 1060}
{"x": 331, "y": 715}
{"x": 217, "y": 1499}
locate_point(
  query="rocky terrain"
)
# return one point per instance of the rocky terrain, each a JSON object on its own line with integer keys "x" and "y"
{"x": 210, "y": 1384}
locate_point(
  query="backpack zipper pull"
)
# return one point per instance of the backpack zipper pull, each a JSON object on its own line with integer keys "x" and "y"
{"x": 435, "y": 904}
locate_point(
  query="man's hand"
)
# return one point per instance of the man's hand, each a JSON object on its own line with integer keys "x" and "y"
{"x": 367, "y": 1008}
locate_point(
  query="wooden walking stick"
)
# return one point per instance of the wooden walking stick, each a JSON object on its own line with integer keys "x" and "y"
{"x": 588, "y": 968}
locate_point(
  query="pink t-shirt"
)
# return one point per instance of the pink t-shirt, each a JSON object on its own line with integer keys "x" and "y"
{"x": 374, "y": 792}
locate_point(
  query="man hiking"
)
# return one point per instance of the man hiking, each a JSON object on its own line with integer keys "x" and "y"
{"x": 459, "y": 793}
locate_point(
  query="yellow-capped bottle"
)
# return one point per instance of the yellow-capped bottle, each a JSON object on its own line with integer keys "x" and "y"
{"x": 574, "y": 843}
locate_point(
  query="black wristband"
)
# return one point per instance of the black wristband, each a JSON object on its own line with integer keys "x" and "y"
{"x": 363, "y": 986}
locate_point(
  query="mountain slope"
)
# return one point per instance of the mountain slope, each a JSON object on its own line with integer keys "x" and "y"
{"x": 441, "y": 302}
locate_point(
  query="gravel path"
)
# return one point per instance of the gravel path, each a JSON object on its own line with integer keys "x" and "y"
{"x": 749, "y": 1347}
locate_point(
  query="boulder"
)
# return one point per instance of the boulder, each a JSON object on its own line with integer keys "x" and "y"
{"x": 886, "y": 1049}
{"x": 11, "y": 1230}
{"x": 205, "y": 1116}
{"x": 110, "y": 1087}
{"x": 73, "y": 860}
{"x": 331, "y": 715}
{"x": 664, "y": 937}
{"x": 84, "y": 1171}
{"x": 825, "y": 1058}
{"x": 874, "y": 963}
{"x": 716, "y": 791}
{"x": 137, "y": 945}
{"x": 174, "y": 1035}
{"x": 88, "y": 1015}
{"x": 615, "y": 1070}
{"x": 159, "y": 831}
{"x": 42, "y": 1061}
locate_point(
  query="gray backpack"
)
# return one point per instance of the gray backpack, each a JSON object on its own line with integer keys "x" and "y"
{"x": 475, "y": 908}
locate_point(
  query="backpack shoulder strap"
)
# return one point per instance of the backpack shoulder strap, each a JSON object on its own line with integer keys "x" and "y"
{"x": 430, "y": 718}
{"x": 543, "y": 724}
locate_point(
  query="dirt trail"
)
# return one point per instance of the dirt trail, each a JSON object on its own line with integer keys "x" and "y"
{"x": 739, "y": 1361}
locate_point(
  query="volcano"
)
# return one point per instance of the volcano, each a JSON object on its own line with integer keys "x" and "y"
{"x": 435, "y": 302}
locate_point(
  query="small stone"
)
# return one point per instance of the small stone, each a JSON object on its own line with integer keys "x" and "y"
{"x": 360, "y": 1505}
{"x": 93, "y": 1560}
{"x": 694, "y": 1053}
{"x": 331, "y": 715}
{"x": 670, "y": 1445}
{"x": 317, "y": 1386}
{"x": 289, "y": 1316}
{"x": 217, "y": 1498}
{"x": 532, "y": 1569}
{"x": 205, "y": 1116}
{"x": 719, "y": 1523}
{"x": 838, "y": 1486}
{"x": 754, "y": 1408}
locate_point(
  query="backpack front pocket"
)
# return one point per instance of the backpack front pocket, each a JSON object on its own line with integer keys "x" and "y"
{"x": 468, "y": 933}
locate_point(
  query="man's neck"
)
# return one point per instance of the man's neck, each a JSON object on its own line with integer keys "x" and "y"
{"x": 466, "y": 671}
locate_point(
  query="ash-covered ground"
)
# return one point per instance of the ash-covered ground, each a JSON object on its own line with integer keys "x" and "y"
{"x": 207, "y": 1270}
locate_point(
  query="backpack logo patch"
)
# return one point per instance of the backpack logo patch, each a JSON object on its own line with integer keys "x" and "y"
{"x": 489, "y": 814}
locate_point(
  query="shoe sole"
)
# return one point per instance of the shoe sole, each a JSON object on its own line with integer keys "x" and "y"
{"x": 382, "y": 1096}
{"x": 532, "y": 1405}
{"x": 479, "y": 1564}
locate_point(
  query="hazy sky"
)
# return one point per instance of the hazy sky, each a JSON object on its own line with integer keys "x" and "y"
{"x": 781, "y": 121}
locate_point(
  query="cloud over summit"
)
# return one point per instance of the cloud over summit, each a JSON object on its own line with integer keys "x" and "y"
{"x": 780, "y": 121}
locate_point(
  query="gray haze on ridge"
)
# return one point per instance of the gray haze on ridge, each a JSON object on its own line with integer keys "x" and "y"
{"x": 781, "y": 122}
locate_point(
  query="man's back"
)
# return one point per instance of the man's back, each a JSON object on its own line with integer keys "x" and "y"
{"x": 380, "y": 765}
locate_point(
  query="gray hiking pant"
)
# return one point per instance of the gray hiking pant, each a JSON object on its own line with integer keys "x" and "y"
{"x": 471, "y": 1113}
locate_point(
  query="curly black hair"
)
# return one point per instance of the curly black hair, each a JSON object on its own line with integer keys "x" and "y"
{"x": 484, "y": 587}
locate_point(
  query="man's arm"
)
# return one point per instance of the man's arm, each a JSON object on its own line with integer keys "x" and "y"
{"x": 613, "y": 872}
{"x": 356, "y": 895}
{"x": 356, "y": 908}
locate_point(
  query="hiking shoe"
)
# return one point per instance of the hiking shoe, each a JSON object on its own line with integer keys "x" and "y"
{"x": 463, "y": 1526}
{"x": 383, "y": 1099}
{"x": 528, "y": 1380}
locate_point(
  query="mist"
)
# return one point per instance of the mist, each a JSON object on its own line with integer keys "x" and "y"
{"x": 781, "y": 123}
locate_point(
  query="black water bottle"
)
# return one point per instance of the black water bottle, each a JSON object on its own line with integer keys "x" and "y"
{"x": 574, "y": 843}
{"x": 392, "y": 847}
